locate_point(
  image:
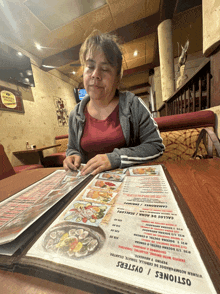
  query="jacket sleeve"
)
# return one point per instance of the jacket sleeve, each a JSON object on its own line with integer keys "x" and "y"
{"x": 147, "y": 143}
{"x": 73, "y": 146}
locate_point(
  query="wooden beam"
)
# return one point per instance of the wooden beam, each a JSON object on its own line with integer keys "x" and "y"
{"x": 142, "y": 94}
{"x": 167, "y": 8}
{"x": 138, "y": 69}
{"x": 138, "y": 86}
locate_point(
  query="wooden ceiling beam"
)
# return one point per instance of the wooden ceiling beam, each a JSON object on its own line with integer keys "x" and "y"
{"x": 138, "y": 69}
{"x": 142, "y": 94}
{"x": 138, "y": 86}
{"x": 167, "y": 9}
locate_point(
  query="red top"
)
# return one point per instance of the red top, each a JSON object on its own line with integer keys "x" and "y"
{"x": 102, "y": 136}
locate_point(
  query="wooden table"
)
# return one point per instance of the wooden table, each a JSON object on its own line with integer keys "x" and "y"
{"x": 39, "y": 150}
{"x": 197, "y": 180}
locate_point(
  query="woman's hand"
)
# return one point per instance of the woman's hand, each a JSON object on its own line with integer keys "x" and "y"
{"x": 97, "y": 164}
{"x": 72, "y": 162}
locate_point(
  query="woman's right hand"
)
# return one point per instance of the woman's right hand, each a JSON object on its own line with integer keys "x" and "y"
{"x": 72, "y": 162}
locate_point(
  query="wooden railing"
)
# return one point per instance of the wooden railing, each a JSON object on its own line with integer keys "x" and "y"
{"x": 193, "y": 95}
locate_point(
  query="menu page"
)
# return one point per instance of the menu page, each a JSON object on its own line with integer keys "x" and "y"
{"x": 126, "y": 225}
{"x": 22, "y": 209}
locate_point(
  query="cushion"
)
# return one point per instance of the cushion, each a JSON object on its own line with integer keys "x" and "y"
{"x": 54, "y": 160}
{"x": 21, "y": 168}
{"x": 186, "y": 121}
{"x": 180, "y": 145}
{"x": 63, "y": 146}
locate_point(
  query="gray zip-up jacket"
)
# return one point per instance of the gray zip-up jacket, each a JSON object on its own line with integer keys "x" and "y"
{"x": 143, "y": 140}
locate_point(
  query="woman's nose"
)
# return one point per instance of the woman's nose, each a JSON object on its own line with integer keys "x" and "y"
{"x": 96, "y": 74}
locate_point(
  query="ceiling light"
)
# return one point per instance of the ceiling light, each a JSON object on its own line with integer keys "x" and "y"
{"x": 49, "y": 66}
{"x": 135, "y": 53}
{"x": 74, "y": 72}
{"x": 19, "y": 54}
{"x": 38, "y": 46}
{"x": 26, "y": 80}
{"x": 29, "y": 72}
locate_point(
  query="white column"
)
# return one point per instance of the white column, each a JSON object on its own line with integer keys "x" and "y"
{"x": 211, "y": 25}
{"x": 166, "y": 58}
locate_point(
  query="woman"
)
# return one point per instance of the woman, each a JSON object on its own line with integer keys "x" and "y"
{"x": 108, "y": 129}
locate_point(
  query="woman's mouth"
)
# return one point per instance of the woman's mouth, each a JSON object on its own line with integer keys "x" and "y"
{"x": 95, "y": 86}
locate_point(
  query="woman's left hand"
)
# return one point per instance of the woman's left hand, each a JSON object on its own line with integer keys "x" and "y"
{"x": 96, "y": 165}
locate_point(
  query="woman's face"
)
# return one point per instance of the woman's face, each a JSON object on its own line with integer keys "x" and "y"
{"x": 99, "y": 77}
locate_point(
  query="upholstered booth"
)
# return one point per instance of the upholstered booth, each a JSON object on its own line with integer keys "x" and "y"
{"x": 56, "y": 159}
{"x": 6, "y": 168}
{"x": 179, "y": 132}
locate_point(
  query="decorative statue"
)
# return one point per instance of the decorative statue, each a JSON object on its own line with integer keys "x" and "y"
{"x": 181, "y": 65}
{"x": 183, "y": 55}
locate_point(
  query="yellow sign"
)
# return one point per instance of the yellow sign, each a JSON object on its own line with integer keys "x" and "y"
{"x": 8, "y": 99}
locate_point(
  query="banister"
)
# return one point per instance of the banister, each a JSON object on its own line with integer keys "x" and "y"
{"x": 184, "y": 99}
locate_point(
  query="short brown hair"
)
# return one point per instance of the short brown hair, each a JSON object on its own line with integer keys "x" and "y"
{"x": 108, "y": 44}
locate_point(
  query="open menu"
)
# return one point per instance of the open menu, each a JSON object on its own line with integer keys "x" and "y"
{"x": 20, "y": 211}
{"x": 123, "y": 231}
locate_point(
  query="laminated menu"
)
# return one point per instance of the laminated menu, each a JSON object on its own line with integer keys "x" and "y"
{"x": 126, "y": 230}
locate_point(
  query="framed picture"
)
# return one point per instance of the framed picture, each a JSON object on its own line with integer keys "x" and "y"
{"x": 11, "y": 100}
{"x": 61, "y": 111}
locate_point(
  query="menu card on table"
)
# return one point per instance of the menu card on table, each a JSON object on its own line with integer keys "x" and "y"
{"x": 20, "y": 211}
{"x": 125, "y": 229}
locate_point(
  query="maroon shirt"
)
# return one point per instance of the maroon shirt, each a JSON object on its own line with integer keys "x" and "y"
{"x": 102, "y": 136}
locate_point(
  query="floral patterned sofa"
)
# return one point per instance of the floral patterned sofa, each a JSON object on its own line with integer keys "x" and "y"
{"x": 180, "y": 133}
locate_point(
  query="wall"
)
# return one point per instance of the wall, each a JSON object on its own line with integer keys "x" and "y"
{"x": 39, "y": 124}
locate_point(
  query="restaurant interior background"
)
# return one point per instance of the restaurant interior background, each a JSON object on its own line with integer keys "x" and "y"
{"x": 50, "y": 33}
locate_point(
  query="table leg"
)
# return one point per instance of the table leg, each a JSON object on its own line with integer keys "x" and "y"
{"x": 40, "y": 152}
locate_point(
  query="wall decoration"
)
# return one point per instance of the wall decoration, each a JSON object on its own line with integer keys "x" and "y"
{"x": 61, "y": 111}
{"x": 11, "y": 100}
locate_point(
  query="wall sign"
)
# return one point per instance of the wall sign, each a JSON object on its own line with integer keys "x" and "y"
{"x": 11, "y": 100}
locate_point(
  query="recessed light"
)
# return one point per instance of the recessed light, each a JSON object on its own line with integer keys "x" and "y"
{"x": 29, "y": 72}
{"x": 26, "y": 80}
{"x": 135, "y": 53}
{"x": 19, "y": 54}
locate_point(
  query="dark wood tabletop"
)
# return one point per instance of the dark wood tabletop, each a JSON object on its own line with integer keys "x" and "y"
{"x": 37, "y": 149}
{"x": 197, "y": 180}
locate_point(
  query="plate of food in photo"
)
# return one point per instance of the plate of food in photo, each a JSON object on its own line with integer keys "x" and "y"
{"x": 112, "y": 176}
{"x": 73, "y": 241}
{"x": 86, "y": 213}
{"x": 105, "y": 184}
{"x": 119, "y": 170}
{"x": 99, "y": 195}
{"x": 144, "y": 171}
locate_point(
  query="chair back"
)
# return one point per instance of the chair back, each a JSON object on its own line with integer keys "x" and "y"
{"x": 6, "y": 169}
